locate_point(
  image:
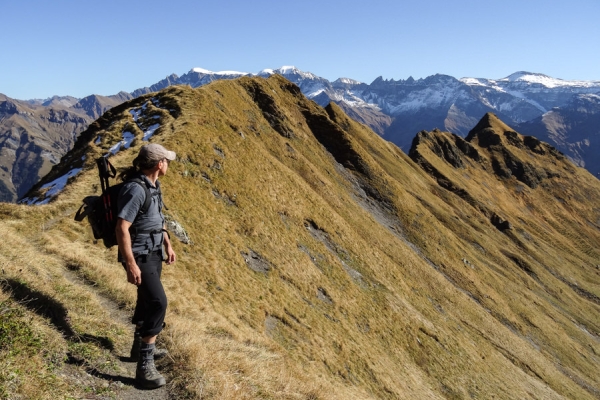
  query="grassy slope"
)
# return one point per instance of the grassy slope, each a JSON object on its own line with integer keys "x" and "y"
{"x": 434, "y": 303}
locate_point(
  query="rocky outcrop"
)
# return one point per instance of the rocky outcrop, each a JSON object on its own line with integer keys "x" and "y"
{"x": 8, "y": 108}
{"x": 502, "y": 145}
{"x": 491, "y": 149}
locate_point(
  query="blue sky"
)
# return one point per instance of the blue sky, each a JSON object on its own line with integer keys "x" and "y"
{"x": 83, "y": 47}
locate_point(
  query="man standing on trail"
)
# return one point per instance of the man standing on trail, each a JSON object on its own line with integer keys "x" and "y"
{"x": 141, "y": 237}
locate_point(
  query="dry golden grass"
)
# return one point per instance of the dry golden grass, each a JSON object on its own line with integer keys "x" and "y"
{"x": 375, "y": 283}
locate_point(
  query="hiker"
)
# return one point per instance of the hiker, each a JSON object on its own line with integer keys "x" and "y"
{"x": 141, "y": 238}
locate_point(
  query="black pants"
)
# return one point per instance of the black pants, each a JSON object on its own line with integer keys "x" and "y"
{"x": 151, "y": 305}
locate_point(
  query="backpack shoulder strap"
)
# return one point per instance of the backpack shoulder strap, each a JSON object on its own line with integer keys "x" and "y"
{"x": 148, "y": 200}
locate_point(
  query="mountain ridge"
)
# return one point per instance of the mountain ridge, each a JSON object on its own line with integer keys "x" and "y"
{"x": 395, "y": 109}
{"x": 325, "y": 263}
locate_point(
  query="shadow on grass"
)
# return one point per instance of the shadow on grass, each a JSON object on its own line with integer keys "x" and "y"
{"x": 80, "y": 362}
{"x": 50, "y": 309}
{"x": 74, "y": 360}
{"x": 57, "y": 315}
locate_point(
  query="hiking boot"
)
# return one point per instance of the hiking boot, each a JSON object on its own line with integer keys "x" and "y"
{"x": 134, "y": 354}
{"x": 146, "y": 374}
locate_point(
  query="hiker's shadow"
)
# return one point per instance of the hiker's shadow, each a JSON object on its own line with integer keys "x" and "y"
{"x": 52, "y": 310}
{"x": 73, "y": 360}
{"x": 102, "y": 375}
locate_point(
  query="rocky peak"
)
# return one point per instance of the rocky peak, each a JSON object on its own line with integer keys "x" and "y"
{"x": 8, "y": 107}
{"x": 510, "y": 152}
{"x": 488, "y": 131}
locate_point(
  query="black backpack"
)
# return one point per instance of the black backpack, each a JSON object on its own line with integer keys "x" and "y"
{"x": 101, "y": 211}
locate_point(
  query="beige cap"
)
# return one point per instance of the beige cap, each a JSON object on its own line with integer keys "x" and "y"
{"x": 156, "y": 152}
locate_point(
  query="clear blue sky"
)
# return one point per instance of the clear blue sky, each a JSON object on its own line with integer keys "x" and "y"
{"x": 83, "y": 47}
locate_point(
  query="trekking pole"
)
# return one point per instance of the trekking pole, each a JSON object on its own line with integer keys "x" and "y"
{"x": 106, "y": 170}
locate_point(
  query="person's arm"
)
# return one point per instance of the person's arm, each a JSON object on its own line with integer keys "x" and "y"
{"x": 171, "y": 257}
{"x": 134, "y": 275}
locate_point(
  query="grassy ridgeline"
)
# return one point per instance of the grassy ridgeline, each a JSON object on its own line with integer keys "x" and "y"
{"x": 324, "y": 263}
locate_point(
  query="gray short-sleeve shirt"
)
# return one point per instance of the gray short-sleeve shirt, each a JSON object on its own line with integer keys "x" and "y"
{"x": 131, "y": 199}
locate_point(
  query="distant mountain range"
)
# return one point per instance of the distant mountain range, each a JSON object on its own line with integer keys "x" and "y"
{"x": 558, "y": 111}
{"x": 35, "y": 134}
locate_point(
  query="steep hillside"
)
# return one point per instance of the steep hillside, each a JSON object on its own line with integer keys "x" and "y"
{"x": 318, "y": 261}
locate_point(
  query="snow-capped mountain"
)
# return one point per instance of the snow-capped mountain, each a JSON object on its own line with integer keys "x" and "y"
{"x": 310, "y": 84}
{"x": 525, "y": 94}
{"x": 398, "y": 109}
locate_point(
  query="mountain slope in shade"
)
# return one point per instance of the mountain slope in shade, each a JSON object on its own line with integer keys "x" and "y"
{"x": 32, "y": 140}
{"x": 324, "y": 263}
{"x": 35, "y": 135}
{"x": 574, "y": 128}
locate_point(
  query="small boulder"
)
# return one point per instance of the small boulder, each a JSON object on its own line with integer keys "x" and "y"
{"x": 500, "y": 223}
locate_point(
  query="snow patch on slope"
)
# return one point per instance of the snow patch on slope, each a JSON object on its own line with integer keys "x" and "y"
{"x": 51, "y": 189}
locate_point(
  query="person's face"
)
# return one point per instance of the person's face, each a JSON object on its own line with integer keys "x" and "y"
{"x": 163, "y": 165}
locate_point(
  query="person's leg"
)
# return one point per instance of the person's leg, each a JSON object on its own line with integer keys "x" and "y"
{"x": 134, "y": 353}
{"x": 153, "y": 295}
{"x": 140, "y": 310}
{"x": 137, "y": 319}
{"x": 146, "y": 374}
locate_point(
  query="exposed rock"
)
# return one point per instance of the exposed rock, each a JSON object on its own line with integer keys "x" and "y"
{"x": 178, "y": 230}
{"x": 324, "y": 296}
{"x": 500, "y": 222}
{"x": 503, "y": 144}
{"x": 8, "y": 108}
{"x": 270, "y": 110}
{"x": 488, "y": 137}
{"x": 467, "y": 148}
{"x": 256, "y": 262}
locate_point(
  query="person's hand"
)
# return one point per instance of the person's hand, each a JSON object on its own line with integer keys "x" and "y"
{"x": 171, "y": 257}
{"x": 134, "y": 274}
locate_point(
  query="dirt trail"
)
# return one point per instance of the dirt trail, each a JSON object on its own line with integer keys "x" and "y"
{"x": 116, "y": 379}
